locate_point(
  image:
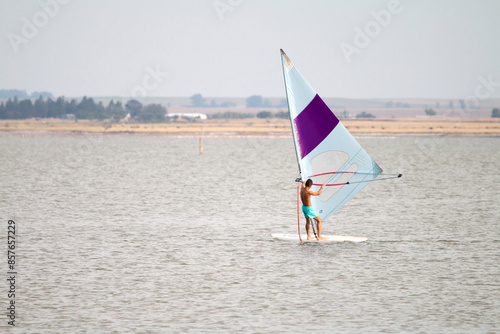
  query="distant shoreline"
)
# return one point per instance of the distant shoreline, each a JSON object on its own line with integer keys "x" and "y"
{"x": 254, "y": 127}
{"x": 243, "y": 135}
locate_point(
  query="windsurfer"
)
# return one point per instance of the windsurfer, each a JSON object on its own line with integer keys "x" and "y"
{"x": 307, "y": 209}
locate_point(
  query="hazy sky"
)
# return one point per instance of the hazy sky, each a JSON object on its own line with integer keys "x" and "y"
{"x": 230, "y": 48}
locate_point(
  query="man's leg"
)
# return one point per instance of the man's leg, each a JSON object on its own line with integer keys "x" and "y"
{"x": 318, "y": 219}
{"x": 308, "y": 225}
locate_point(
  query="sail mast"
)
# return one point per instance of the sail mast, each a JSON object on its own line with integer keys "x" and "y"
{"x": 283, "y": 65}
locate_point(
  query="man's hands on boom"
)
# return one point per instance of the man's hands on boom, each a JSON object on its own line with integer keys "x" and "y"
{"x": 316, "y": 193}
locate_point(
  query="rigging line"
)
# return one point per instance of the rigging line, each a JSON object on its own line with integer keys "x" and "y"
{"x": 382, "y": 178}
{"x": 346, "y": 183}
{"x": 353, "y": 189}
{"x": 320, "y": 184}
{"x": 347, "y": 163}
{"x": 298, "y": 210}
{"x": 349, "y": 172}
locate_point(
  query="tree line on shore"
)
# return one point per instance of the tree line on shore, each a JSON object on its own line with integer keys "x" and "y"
{"x": 86, "y": 108}
{"x": 133, "y": 110}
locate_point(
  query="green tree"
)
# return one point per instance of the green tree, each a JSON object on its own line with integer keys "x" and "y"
{"x": 344, "y": 114}
{"x": 364, "y": 114}
{"x": 86, "y": 109}
{"x": 26, "y": 109}
{"x": 115, "y": 111}
{"x": 267, "y": 103}
{"x": 133, "y": 107}
{"x": 254, "y": 101}
{"x": 462, "y": 104}
{"x": 41, "y": 109}
{"x": 70, "y": 107}
{"x": 16, "y": 107}
{"x": 152, "y": 113}
{"x": 58, "y": 108}
{"x": 282, "y": 114}
{"x": 51, "y": 108}
{"x": 3, "y": 114}
{"x": 264, "y": 114}
{"x": 12, "y": 108}
{"x": 197, "y": 101}
{"x": 495, "y": 112}
{"x": 430, "y": 112}
{"x": 100, "y": 111}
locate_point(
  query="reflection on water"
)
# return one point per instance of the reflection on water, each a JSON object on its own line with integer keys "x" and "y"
{"x": 141, "y": 233}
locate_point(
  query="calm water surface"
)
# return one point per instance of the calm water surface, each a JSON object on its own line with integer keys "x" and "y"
{"x": 131, "y": 233}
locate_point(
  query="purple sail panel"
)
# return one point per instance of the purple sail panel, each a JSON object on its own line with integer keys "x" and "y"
{"x": 313, "y": 125}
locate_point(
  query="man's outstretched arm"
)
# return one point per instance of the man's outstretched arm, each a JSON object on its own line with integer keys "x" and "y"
{"x": 316, "y": 193}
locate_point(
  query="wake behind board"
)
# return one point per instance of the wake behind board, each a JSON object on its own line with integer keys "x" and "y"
{"x": 329, "y": 238}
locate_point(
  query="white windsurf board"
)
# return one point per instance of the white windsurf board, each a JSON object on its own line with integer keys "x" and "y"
{"x": 329, "y": 238}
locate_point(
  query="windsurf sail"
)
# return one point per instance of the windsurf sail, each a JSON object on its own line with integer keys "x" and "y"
{"x": 326, "y": 152}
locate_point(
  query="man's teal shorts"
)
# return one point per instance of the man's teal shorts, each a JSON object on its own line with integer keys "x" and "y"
{"x": 309, "y": 211}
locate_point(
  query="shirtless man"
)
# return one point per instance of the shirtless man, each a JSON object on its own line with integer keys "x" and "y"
{"x": 309, "y": 212}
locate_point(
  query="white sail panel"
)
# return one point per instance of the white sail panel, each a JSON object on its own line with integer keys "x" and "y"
{"x": 326, "y": 151}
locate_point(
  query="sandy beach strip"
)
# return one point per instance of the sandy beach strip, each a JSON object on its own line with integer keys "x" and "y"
{"x": 258, "y": 127}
